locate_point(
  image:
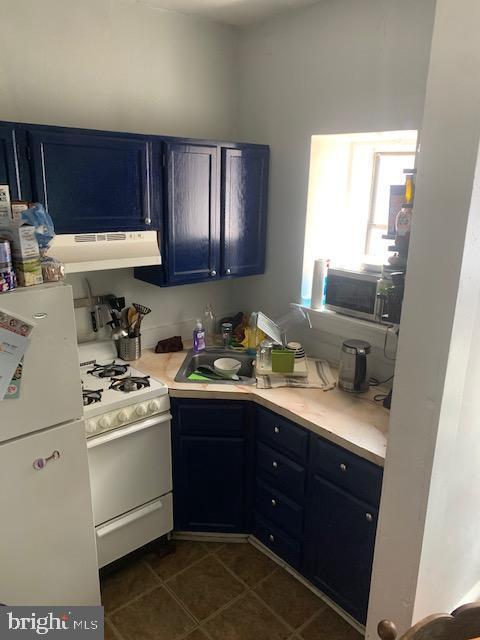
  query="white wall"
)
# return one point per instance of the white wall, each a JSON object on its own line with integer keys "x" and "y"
{"x": 340, "y": 66}
{"x": 428, "y": 543}
{"x": 122, "y": 65}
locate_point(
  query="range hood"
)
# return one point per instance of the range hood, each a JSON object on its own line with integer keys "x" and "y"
{"x": 100, "y": 251}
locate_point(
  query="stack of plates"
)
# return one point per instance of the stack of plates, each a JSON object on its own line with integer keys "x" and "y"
{"x": 297, "y": 348}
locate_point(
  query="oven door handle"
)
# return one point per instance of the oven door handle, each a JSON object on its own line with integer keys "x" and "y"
{"x": 121, "y": 432}
{"x": 123, "y": 521}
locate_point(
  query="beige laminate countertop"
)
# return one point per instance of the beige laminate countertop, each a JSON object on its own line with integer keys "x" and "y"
{"x": 354, "y": 422}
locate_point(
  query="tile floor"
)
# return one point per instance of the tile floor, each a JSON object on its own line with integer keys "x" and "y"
{"x": 212, "y": 591}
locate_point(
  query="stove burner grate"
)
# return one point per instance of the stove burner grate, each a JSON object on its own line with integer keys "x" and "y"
{"x": 91, "y": 397}
{"x": 108, "y": 370}
{"x": 130, "y": 383}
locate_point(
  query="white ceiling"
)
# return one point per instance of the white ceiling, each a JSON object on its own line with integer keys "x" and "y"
{"x": 233, "y": 12}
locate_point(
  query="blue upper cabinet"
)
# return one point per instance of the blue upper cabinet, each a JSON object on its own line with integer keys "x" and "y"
{"x": 8, "y": 162}
{"x": 214, "y": 213}
{"x": 191, "y": 225}
{"x": 244, "y": 209}
{"x": 92, "y": 181}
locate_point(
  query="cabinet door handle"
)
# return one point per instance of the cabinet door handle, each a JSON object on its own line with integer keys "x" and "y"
{"x": 228, "y": 272}
{"x": 271, "y": 538}
{"x": 276, "y": 429}
{"x": 343, "y": 467}
{"x": 368, "y": 517}
{"x": 275, "y": 464}
{"x": 148, "y": 220}
{"x": 274, "y": 502}
{"x": 213, "y": 273}
{"x": 40, "y": 463}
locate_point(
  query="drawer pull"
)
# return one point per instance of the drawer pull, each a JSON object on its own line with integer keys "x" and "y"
{"x": 274, "y": 502}
{"x": 276, "y": 429}
{"x": 275, "y": 464}
{"x": 271, "y": 538}
{"x": 368, "y": 517}
{"x": 40, "y": 463}
{"x": 343, "y": 467}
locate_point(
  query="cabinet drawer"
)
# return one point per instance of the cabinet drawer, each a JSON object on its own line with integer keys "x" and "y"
{"x": 280, "y": 472}
{"x": 279, "y": 509}
{"x": 282, "y": 434}
{"x": 207, "y": 417}
{"x": 280, "y": 543}
{"x": 359, "y": 477}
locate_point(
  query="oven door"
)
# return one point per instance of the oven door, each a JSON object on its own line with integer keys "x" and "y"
{"x": 130, "y": 466}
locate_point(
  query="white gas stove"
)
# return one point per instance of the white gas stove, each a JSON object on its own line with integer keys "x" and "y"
{"x": 127, "y": 421}
{"x": 114, "y": 393}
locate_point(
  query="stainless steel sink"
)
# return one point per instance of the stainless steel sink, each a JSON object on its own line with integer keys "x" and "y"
{"x": 194, "y": 360}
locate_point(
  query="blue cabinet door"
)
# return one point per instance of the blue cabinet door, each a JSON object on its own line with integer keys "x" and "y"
{"x": 212, "y": 466}
{"x": 8, "y": 162}
{"x": 339, "y": 545}
{"x": 244, "y": 207}
{"x": 191, "y": 216}
{"x": 92, "y": 181}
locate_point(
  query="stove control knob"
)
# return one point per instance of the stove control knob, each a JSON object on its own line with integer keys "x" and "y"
{"x": 140, "y": 410}
{"x": 122, "y": 416}
{"x": 91, "y": 426}
{"x": 154, "y": 405}
{"x": 104, "y": 422}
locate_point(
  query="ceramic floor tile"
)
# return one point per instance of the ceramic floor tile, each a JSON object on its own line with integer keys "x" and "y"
{"x": 289, "y": 598}
{"x": 246, "y": 562}
{"x": 197, "y": 634}
{"x": 205, "y": 587}
{"x": 185, "y": 553}
{"x": 154, "y": 616}
{"x": 246, "y": 619}
{"x": 126, "y": 583}
{"x": 109, "y": 633}
{"x": 329, "y": 626}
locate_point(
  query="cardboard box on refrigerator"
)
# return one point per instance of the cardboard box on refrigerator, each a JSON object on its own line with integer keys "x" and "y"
{"x": 25, "y": 251}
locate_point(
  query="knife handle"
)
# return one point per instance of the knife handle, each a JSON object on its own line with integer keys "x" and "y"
{"x": 94, "y": 321}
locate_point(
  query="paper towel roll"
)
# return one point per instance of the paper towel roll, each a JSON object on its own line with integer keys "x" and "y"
{"x": 320, "y": 268}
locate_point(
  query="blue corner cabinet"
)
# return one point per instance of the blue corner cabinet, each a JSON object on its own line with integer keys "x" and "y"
{"x": 191, "y": 251}
{"x": 92, "y": 181}
{"x": 212, "y": 465}
{"x": 214, "y": 213}
{"x": 244, "y": 207}
{"x": 241, "y": 468}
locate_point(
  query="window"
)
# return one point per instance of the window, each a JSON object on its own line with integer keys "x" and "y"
{"x": 388, "y": 170}
{"x": 349, "y": 195}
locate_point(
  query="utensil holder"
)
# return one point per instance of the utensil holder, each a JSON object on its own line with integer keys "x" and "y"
{"x": 129, "y": 348}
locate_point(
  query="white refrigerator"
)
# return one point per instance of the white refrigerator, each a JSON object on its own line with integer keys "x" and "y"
{"x": 47, "y": 538}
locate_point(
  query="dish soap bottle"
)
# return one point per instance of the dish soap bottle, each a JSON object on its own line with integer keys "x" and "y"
{"x": 199, "y": 337}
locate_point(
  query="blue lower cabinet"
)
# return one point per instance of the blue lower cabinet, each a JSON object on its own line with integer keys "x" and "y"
{"x": 283, "y": 545}
{"x": 339, "y": 543}
{"x": 212, "y": 465}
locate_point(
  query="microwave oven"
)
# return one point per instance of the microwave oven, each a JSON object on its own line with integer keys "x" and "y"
{"x": 354, "y": 293}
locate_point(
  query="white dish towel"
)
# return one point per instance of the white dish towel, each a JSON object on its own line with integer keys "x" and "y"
{"x": 319, "y": 377}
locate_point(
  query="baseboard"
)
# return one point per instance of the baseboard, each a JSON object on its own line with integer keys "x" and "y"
{"x": 209, "y": 537}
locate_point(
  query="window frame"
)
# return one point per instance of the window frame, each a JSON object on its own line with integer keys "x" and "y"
{"x": 371, "y": 225}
